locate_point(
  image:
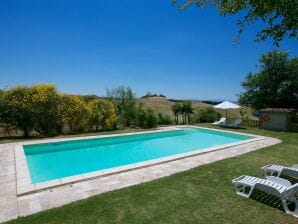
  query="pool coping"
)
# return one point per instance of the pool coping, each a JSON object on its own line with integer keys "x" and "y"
{"x": 23, "y": 180}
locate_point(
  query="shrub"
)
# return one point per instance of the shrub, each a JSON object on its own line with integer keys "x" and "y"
{"x": 44, "y": 104}
{"x": 151, "y": 120}
{"x": 16, "y": 110}
{"x": 30, "y": 108}
{"x": 73, "y": 113}
{"x": 145, "y": 118}
{"x": 141, "y": 116}
{"x": 101, "y": 114}
{"x": 164, "y": 119}
{"x": 206, "y": 115}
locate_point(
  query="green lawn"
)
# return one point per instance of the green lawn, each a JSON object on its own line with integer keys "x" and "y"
{"x": 200, "y": 195}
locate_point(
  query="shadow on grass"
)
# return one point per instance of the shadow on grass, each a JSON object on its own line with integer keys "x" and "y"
{"x": 267, "y": 199}
{"x": 270, "y": 200}
{"x": 293, "y": 180}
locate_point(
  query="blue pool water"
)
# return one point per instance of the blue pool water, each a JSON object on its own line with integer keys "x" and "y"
{"x": 61, "y": 159}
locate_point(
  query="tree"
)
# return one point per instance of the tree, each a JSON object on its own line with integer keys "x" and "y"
{"x": 186, "y": 111}
{"x": 44, "y": 105}
{"x": 101, "y": 114}
{"x": 30, "y": 108}
{"x": 149, "y": 94}
{"x": 73, "y": 112}
{"x": 279, "y": 16}
{"x": 176, "y": 111}
{"x": 275, "y": 85}
{"x": 16, "y": 109}
{"x": 125, "y": 101}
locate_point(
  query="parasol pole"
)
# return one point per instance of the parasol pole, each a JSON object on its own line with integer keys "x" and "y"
{"x": 226, "y": 117}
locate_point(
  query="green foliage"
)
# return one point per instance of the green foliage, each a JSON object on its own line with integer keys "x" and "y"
{"x": 149, "y": 94}
{"x": 141, "y": 116}
{"x": 102, "y": 114}
{"x": 73, "y": 113}
{"x": 206, "y": 115}
{"x": 16, "y": 109}
{"x": 40, "y": 109}
{"x": 125, "y": 101}
{"x": 44, "y": 106}
{"x": 279, "y": 16}
{"x": 186, "y": 111}
{"x": 244, "y": 112}
{"x": 31, "y": 108}
{"x": 151, "y": 120}
{"x": 275, "y": 85}
{"x": 163, "y": 119}
{"x": 176, "y": 111}
{"x": 145, "y": 118}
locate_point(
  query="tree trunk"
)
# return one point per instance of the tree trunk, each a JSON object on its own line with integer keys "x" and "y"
{"x": 26, "y": 133}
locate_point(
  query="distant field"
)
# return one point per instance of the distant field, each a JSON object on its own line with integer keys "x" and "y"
{"x": 163, "y": 105}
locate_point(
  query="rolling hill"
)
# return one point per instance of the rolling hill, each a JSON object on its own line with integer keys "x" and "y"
{"x": 163, "y": 105}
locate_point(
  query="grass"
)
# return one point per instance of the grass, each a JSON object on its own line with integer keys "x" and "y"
{"x": 200, "y": 195}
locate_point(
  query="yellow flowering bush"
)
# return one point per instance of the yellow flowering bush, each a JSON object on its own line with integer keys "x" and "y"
{"x": 102, "y": 114}
{"x": 73, "y": 113}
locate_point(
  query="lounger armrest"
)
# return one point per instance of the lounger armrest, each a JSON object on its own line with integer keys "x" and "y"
{"x": 279, "y": 180}
{"x": 266, "y": 166}
{"x": 238, "y": 178}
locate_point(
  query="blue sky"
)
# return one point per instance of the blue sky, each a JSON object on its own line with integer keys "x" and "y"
{"x": 87, "y": 46}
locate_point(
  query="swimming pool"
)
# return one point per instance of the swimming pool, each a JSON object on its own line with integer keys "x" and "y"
{"x": 50, "y": 161}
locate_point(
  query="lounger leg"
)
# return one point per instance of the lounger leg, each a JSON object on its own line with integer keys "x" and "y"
{"x": 250, "y": 191}
{"x": 242, "y": 193}
{"x": 288, "y": 211}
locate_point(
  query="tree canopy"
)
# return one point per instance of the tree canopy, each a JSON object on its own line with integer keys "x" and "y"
{"x": 125, "y": 101}
{"x": 280, "y": 16}
{"x": 274, "y": 85}
{"x": 30, "y": 108}
{"x": 40, "y": 109}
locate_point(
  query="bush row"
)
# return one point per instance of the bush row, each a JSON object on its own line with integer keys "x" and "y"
{"x": 205, "y": 115}
{"x": 41, "y": 109}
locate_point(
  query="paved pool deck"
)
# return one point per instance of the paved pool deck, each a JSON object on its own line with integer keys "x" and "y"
{"x": 13, "y": 205}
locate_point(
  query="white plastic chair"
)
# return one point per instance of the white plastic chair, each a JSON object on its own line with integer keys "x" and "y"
{"x": 222, "y": 121}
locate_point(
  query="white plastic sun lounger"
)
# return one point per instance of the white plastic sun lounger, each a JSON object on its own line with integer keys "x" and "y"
{"x": 277, "y": 170}
{"x": 281, "y": 188}
{"x": 222, "y": 121}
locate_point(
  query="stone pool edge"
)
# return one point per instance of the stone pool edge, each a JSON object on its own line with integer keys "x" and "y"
{"x": 25, "y": 187}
